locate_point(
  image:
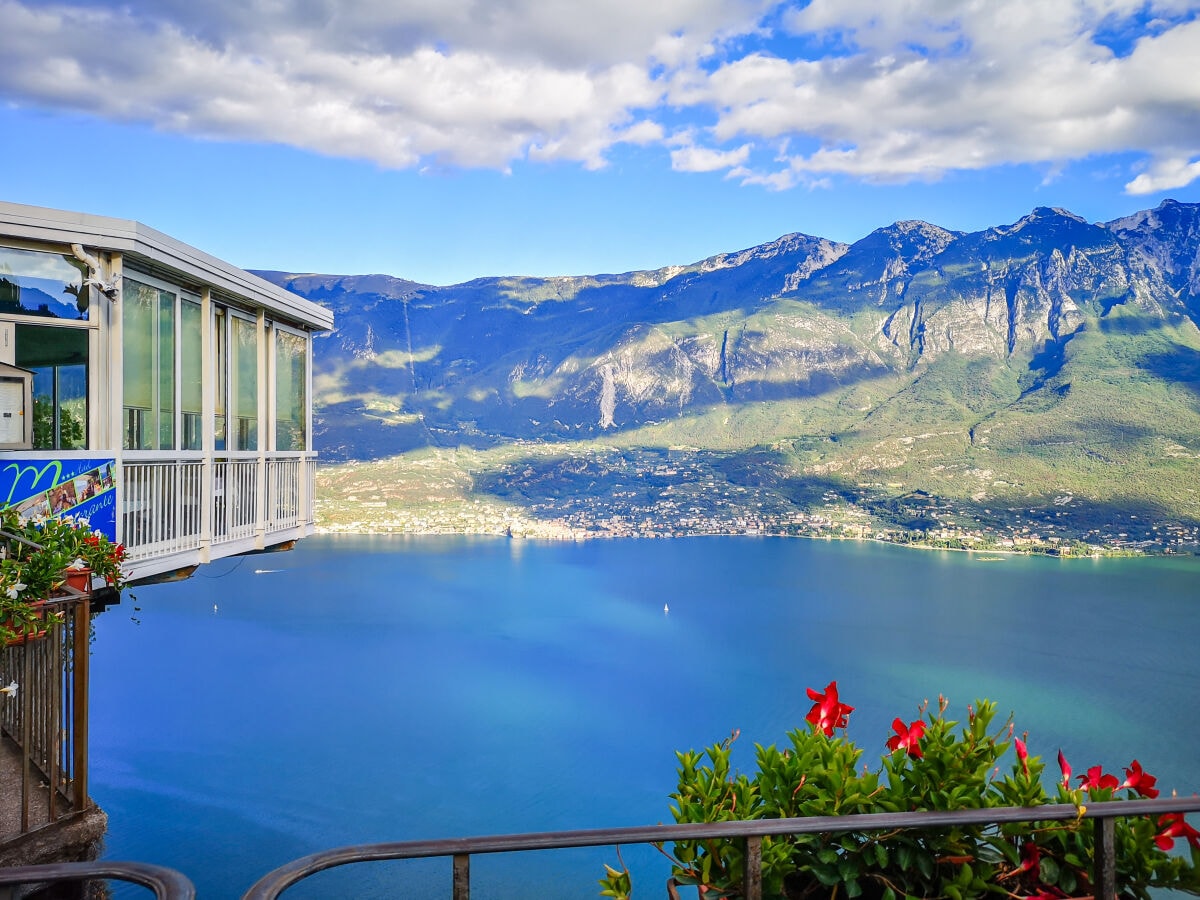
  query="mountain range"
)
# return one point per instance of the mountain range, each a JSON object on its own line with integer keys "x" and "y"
{"x": 1051, "y": 365}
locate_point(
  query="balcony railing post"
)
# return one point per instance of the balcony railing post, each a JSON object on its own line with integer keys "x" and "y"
{"x": 56, "y": 732}
{"x": 26, "y": 700}
{"x": 1105, "y": 873}
{"x": 81, "y": 632}
{"x": 461, "y": 887}
{"x": 752, "y": 880}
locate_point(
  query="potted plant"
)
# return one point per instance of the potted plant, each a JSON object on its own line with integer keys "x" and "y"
{"x": 39, "y": 556}
{"x": 930, "y": 763}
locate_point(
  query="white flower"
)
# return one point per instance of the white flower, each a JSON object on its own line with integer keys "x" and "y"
{"x": 11, "y": 690}
{"x": 78, "y": 564}
{"x": 15, "y": 591}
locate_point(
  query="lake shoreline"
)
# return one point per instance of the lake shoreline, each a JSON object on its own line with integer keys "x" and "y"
{"x": 567, "y": 535}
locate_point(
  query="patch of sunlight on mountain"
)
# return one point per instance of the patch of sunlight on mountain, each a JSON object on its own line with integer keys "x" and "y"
{"x": 537, "y": 290}
{"x": 328, "y": 384}
{"x": 393, "y": 418}
{"x": 547, "y": 389}
{"x": 440, "y": 400}
{"x": 385, "y": 409}
{"x": 399, "y": 359}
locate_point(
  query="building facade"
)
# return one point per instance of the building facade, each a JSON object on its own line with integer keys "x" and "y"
{"x": 175, "y": 384}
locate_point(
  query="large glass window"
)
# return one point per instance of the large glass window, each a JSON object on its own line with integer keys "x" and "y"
{"x": 148, "y": 376}
{"x": 243, "y": 376}
{"x": 58, "y": 358}
{"x": 34, "y": 283}
{"x": 291, "y": 388}
{"x": 221, "y": 386}
{"x": 191, "y": 376}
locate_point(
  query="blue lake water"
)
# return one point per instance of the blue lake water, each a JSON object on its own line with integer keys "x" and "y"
{"x": 362, "y": 689}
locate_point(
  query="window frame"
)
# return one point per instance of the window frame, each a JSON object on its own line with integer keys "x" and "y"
{"x": 181, "y": 295}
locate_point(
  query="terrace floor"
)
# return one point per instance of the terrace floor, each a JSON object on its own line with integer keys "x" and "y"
{"x": 70, "y": 838}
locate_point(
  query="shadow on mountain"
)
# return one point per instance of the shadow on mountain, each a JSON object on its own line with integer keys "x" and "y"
{"x": 348, "y": 430}
{"x": 693, "y": 492}
{"x": 1181, "y": 365}
{"x": 1129, "y": 325}
{"x": 1049, "y": 360}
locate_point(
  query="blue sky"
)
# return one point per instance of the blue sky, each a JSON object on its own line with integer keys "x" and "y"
{"x": 441, "y": 140}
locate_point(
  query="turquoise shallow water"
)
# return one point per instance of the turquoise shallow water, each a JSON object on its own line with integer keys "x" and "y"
{"x": 363, "y": 689}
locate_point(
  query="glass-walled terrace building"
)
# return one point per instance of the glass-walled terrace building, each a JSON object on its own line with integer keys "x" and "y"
{"x": 185, "y": 379}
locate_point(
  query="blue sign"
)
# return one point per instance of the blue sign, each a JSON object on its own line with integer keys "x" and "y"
{"x": 40, "y": 487}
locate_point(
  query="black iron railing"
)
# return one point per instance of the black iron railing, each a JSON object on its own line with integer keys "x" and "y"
{"x": 47, "y": 721}
{"x": 167, "y": 884}
{"x": 460, "y": 850}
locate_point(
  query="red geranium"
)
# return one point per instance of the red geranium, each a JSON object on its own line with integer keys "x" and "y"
{"x": 827, "y": 713}
{"x": 1066, "y": 770}
{"x": 1172, "y": 826}
{"x": 1097, "y": 779}
{"x": 1031, "y": 856}
{"x": 1138, "y": 780}
{"x": 1022, "y": 754}
{"x": 907, "y": 738}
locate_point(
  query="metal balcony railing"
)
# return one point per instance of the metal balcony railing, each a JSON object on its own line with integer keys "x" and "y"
{"x": 167, "y": 884}
{"x": 47, "y": 722}
{"x": 752, "y": 832}
{"x": 186, "y": 502}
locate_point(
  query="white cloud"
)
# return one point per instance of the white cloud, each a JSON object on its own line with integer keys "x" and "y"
{"x": 861, "y": 89}
{"x": 703, "y": 159}
{"x": 915, "y": 88}
{"x": 1165, "y": 175}
{"x": 462, "y": 82}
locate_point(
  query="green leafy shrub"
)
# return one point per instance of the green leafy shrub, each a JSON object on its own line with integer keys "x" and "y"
{"x": 35, "y": 556}
{"x": 931, "y": 763}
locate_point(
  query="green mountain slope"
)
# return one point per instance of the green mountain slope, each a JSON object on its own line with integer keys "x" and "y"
{"x": 1036, "y": 383}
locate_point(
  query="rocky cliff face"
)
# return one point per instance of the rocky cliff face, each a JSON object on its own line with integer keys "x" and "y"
{"x": 796, "y": 319}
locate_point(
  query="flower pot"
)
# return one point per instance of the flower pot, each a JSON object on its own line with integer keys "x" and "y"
{"x": 25, "y": 638}
{"x": 80, "y": 579}
{"x": 30, "y": 636}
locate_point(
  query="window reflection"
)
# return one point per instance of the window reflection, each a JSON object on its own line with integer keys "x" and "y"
{"x": 58, "y": 358}
{"x": 291, "y": 385}
{"x": 148, "y": 354}
{"x": 243, "y": 373}
{"x": 33, "y": 283}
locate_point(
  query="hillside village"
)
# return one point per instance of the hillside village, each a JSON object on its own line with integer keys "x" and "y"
{"x": 663, "y": 494}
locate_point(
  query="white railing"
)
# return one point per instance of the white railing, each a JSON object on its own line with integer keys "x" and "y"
{"x": 191, "y": 503}
{"x": 283, "y": 493}
{"x": 161, "y": 506}
{"x": 235, "y": 500}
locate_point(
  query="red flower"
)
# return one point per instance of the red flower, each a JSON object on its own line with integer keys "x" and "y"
{"x": 1066, "y": 770}
{"x": 1031, "y": 855}
{"x": 1139, "y": 781}
{"x": 1022, "y": 754}
{"x": 827, "y": 713}
{"x": 907, "y": 738}
{"x": 1095, "y": 779}
{"x": 1173, "y": 825}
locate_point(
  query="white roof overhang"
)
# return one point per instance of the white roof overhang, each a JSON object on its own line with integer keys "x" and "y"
{"x": 138, "y": 243}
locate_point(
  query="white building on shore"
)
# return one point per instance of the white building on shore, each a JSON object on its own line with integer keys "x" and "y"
{"x": 160, "y": 391}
